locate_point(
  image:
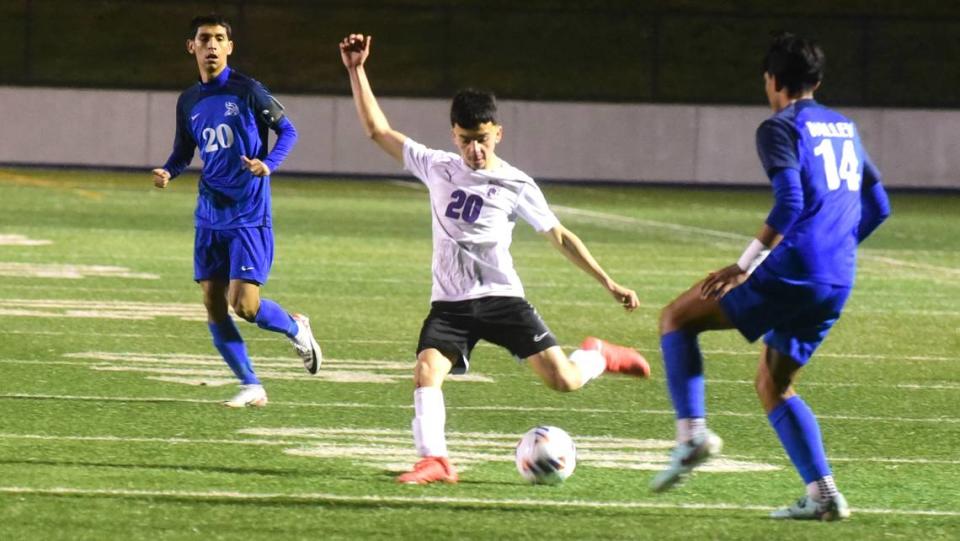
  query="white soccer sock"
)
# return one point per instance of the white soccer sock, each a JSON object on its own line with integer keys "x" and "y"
{"x": 690, "y": 427}
{"x": 822, "y": 489}
{"x": 590, "y": 362}
{"x": 430, "y": 416}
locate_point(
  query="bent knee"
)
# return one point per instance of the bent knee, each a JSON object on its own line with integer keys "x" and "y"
{"x": 247, "y": 311}
{"x": 670, "y": 319}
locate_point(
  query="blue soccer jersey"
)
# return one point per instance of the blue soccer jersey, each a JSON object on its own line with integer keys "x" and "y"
{"x": 825, "y": 148}
{"x": 227, "y": 119}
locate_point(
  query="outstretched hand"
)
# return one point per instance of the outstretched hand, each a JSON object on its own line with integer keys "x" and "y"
{"x": 354, "y": 50}
{"x": 719, "y": 283}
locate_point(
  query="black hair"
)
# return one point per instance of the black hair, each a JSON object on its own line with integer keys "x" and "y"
{"x": 795, "y": 62}
{"x": 209, "y": 20}
{"x": 472, "y": 107}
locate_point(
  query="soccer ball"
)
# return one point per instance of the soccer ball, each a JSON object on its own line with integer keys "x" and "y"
{"x": 546, "y": 455}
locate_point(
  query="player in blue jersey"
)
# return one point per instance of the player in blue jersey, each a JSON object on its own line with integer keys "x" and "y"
{"x": 828, "y": 199}
{"x": 227, "y": 115}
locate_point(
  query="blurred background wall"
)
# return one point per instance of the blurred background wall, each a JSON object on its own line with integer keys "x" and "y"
{"x": 591, "y": 90}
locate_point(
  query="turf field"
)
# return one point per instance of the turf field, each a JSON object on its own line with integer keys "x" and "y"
{"x": 110, "y": 387}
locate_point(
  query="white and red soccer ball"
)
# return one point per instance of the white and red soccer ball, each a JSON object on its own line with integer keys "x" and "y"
{"x": 546, "y": 455}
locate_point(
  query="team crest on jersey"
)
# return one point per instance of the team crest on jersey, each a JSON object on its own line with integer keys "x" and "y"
{"x": 493, "y": 189}
{"x": 232, "y": 109}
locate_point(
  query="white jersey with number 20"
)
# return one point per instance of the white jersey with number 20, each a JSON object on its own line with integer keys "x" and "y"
{"x": 474, "y": 212}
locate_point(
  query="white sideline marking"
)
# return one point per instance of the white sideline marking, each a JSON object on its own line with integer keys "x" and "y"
{"x": 739, "y": 238}
{"x": 21, "y": 240}
{"x": 360, "y": 405}
{"x": 70, "y": 272}
{"x": 432, "y": 500}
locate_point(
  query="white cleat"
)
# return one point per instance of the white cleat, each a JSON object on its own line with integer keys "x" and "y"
{"x": 306, "y": 345}
{"x": 249, "y": 395}
{"x": 806, "y": 508}
{"x": 685, "y": 457}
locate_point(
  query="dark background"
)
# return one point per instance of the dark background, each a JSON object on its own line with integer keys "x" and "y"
{"x": 899, "y": 54}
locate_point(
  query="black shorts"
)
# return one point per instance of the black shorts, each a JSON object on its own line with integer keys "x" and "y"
{"x": 511, "y": 322}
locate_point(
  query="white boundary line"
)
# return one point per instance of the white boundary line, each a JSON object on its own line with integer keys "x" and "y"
{"x": 428, "y": 500}
{"x": 347, "y": 405}
{"x": 301, "y": 441}
{"x": 740, "y": 238}
{"x": 358, "y": 365}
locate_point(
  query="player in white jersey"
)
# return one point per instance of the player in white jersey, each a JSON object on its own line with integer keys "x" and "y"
{"x": 476, "y": 198}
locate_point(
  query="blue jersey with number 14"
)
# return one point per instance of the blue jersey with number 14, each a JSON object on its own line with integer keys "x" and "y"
{"x": 825, "y": 148}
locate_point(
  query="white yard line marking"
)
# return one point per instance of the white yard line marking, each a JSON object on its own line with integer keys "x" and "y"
{"x": 348, "y": 405}
{"x": 593, "y": 444}
{"x": 677, "y": 228}
{"x": 844, "y": 356}
{"x": 21, "y": 240}
{"x": 209, "y": 370}
{"x": 321, "y": 497}
{"x": 101, "y": 309}
{"x": 724, "y": 236}
{"x": 70, "y": 272}
{"x": 833, "y": 384}
{"x": 206, "y": 337}
{"x": 294, "y": 373}
{"x": 476, "y": 447}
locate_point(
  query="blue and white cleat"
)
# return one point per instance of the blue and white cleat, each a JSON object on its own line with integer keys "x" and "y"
{"x": 685, "y": 457}
{"x": 806, "y": 508}
{"x": 306, "y": 345}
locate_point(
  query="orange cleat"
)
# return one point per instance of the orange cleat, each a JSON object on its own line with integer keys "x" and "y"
{"x": 430, "y": 469}
{"x": 620, "y": 359}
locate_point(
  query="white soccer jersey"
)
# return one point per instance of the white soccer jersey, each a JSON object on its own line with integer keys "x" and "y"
{"x": 474, "y": 213}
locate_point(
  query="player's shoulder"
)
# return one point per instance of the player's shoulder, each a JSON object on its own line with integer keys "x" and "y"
{"x": 435, "y": 156}
{"x": 781, "y": 125}
{"x": 190, "y": 96}
{"x": 241, "y": 83}
{"x": 510, "y": 172}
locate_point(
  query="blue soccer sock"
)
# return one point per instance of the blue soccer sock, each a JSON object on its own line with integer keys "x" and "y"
{"x": 227, "y": 340}
{"x": 272, "y": 317}
{"x": 797, "y": 427}
{"x": 683, "y": 365}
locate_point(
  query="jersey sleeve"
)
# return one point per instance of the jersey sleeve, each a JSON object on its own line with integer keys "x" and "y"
{"x": 183, "y": 144}
{"x": 418, "y": 159}
{"x": 532, "y": 207}
{"x": 268, "y": 110}
{"x": 777, "y": 146}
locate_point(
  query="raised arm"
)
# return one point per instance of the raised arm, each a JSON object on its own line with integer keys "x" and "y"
{"x": 354, "y": 50}
{"x": 573, "y": 248}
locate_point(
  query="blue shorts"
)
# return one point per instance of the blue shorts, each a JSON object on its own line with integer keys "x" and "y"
{"x": 245, "y": 253}
{"x": 793, "y": 317}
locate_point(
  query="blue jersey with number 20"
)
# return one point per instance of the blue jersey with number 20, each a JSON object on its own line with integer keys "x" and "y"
{"x": 824, "y": 146}
{"x": 227, "y": 119}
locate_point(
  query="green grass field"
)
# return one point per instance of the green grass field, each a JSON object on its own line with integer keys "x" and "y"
{"x": 107, "y": 432}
